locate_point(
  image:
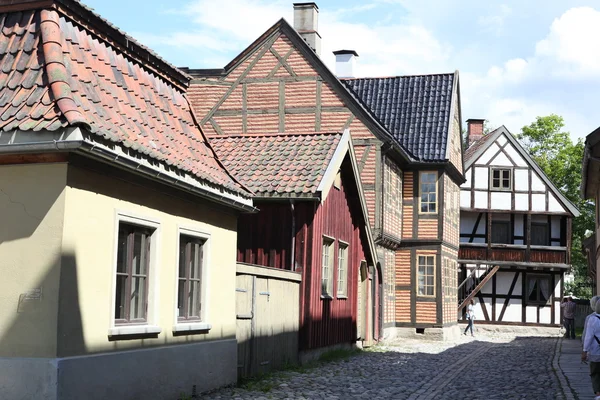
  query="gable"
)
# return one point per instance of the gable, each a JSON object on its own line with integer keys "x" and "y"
{"x": 529, "y": 188}
{"x": 274, "y": 89}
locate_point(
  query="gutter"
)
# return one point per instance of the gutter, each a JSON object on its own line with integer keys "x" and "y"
{"x": 98, "y": 153}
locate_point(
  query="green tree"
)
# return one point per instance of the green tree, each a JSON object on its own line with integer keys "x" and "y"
{"x": 561, "y": 159}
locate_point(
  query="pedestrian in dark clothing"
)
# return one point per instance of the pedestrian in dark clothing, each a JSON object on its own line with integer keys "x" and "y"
{"x": 568, "y": 306}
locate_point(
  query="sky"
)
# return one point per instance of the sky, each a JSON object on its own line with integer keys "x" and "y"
{"x": 517, "y": 59}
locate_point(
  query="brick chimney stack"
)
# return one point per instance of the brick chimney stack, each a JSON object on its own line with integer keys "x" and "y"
{"x": 306, "y": 22}
{"x": 474, "y": 130}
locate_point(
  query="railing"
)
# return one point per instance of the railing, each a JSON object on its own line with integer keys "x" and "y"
{"x": 513, "y": 253}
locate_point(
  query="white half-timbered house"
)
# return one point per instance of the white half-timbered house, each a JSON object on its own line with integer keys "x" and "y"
{"x": 515, "y": 233}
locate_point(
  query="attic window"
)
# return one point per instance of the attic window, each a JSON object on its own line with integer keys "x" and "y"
{"x": 337, "y": 183}
{"x": 501, "y": 179}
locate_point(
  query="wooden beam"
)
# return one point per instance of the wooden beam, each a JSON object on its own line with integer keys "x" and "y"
{"x": 478, "y": 287}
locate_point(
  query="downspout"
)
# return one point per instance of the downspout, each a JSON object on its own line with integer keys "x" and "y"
{"x": 292, "y": 257}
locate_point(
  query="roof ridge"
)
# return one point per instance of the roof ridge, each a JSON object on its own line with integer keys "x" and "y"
{"x": 56, "y": 70}
{"x": 277, "y": 134}
{"x": 397, "y": 76}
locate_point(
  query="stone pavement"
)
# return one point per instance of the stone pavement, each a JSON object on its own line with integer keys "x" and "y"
{"x": 489, "y": 366}
{"x": 576, "y": 374}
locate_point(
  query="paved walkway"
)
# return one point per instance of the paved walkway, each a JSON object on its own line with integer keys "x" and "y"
{"x": 576, "y": 375}
{"x": 489, "y": 366}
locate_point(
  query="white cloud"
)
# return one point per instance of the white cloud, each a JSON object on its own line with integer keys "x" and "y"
{"x": 573, "y": 42}
{"x": 495, "y": 22}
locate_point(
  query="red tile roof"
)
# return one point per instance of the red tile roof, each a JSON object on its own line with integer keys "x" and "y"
{"x": 272, "y": 165}
{"x": 54, "y": 73}
{"x": 473, "y": 147}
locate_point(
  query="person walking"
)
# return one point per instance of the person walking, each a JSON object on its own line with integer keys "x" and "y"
{"x": 568, "y": 308}
{"x": 593, "y": 302}
{"x": 470, "y": 318}
{"x": 591, "y": 348}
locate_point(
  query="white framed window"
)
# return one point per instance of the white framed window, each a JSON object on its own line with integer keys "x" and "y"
{"x": 501, "y": 178}
{"x": 428, "y": 192}
{"x": 134, "y": 305}
{"x": 193, "y": 263}
{"x": 327, "y": 268}
{"x": 342, "y": 270}
{"x": 426, "y": 276}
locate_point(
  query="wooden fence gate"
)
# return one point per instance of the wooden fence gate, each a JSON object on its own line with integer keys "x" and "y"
{"x": 268, "y": 318}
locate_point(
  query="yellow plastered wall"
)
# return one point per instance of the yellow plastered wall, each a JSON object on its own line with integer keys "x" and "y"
{"x": 92, "y": 201}
{"x": 32, "y": 205}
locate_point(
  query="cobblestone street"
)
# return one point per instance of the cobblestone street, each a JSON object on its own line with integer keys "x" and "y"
{"x": 486, "y": 367}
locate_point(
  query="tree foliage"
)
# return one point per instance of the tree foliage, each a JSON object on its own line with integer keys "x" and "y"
{"x": 561, "y": 159}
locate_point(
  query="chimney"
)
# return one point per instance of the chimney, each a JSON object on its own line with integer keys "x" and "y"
{"x": 474, "y": 130}
{"x": 345, "y": 61}
{"x": 306, "y": 22}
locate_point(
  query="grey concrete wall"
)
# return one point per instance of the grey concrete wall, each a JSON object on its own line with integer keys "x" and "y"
{"x": 28, "y": 378}
{"x": 160, "y": 373}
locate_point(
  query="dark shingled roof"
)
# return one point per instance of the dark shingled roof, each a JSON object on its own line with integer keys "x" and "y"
{"x": 414, "y": 109}
{"x": 273, "y": 165}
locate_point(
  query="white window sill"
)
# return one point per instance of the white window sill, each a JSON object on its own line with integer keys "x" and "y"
{"x": 192, "y": 326}
{"x": 134, "y": 330}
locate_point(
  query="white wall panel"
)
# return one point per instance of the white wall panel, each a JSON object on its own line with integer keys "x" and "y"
{"x": 557, "y": 319}
{"x": 517, "y": 290}
{"x": 521, "y": 202}
{"x": 515, "y": 156}
{"x": 553, "y": 204}
{"x": 501, "y": 140}
{"x": 503, "y": 281}
{"x": 467, "y": 183}
{"x": 501, "y": 200}
{"x": 538, "y": 202}
{"x": 481, "y": 199}
{"x": 465, "y": 199}
{"x": 545, "y": 315}
{"x": 488, "y": 154}
{"x": 501, "y": 160}
{"x": 467, "y": 222}
{"x": 557, "y": 288}
{"x": 536, "y": 183}
{"x": 521, "y": 179}
{"x": 531, "y": 314}
{"x": 513, "y": 311}
{"x": 481, "y": 178}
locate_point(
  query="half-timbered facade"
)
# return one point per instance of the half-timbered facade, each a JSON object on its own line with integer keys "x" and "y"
{"x": 590, "y": 189}
{"x": 515, "y": 233}
{"x": 312, "y": 220}
{"x": 406, "y": 134}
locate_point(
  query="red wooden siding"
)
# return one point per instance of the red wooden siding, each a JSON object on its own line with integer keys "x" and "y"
{"x": 332, "y": 321}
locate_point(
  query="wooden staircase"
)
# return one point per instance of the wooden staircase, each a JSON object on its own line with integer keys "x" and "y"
{"x": 482, "y": 280}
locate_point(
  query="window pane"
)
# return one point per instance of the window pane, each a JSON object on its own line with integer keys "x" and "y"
{"x": 506, "y": 174}
{"x": 432, "y": 207}
{"x": 139, "y": 253}
{"x": 430, "y": 291}
{"x": 430, "y": 280}
{"x": 182, "y": 246}
{"x": 194, "y": 299}
{"x": 496, "y": 183}
{"x": 429, "y": 260}
{"x": 138, "y": 298}
{"x": 496, "y": 174}
{"x": 429, "y": 270}
{"x": 120, "y": 297}
{"x": 196, "y": 266}
{"x": 122, "y": 251}
{"x": 181, "y": 298}
{"x": 506, "y": 183}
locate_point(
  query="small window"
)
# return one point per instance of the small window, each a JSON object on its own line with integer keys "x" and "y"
{"x": 327, "y": 268}
{"x": 428, "y": 193}
{"x": 133, "y": 264}
{"x": 342, "y": 278}
{"x": 538, "y": 289}
{"x": 501, "y": 179}
{"x": 501, "y": 232}
{"x": 540, "y": 234}
{"x": 189, "y": 288}
{"x": 426, "y": 276}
